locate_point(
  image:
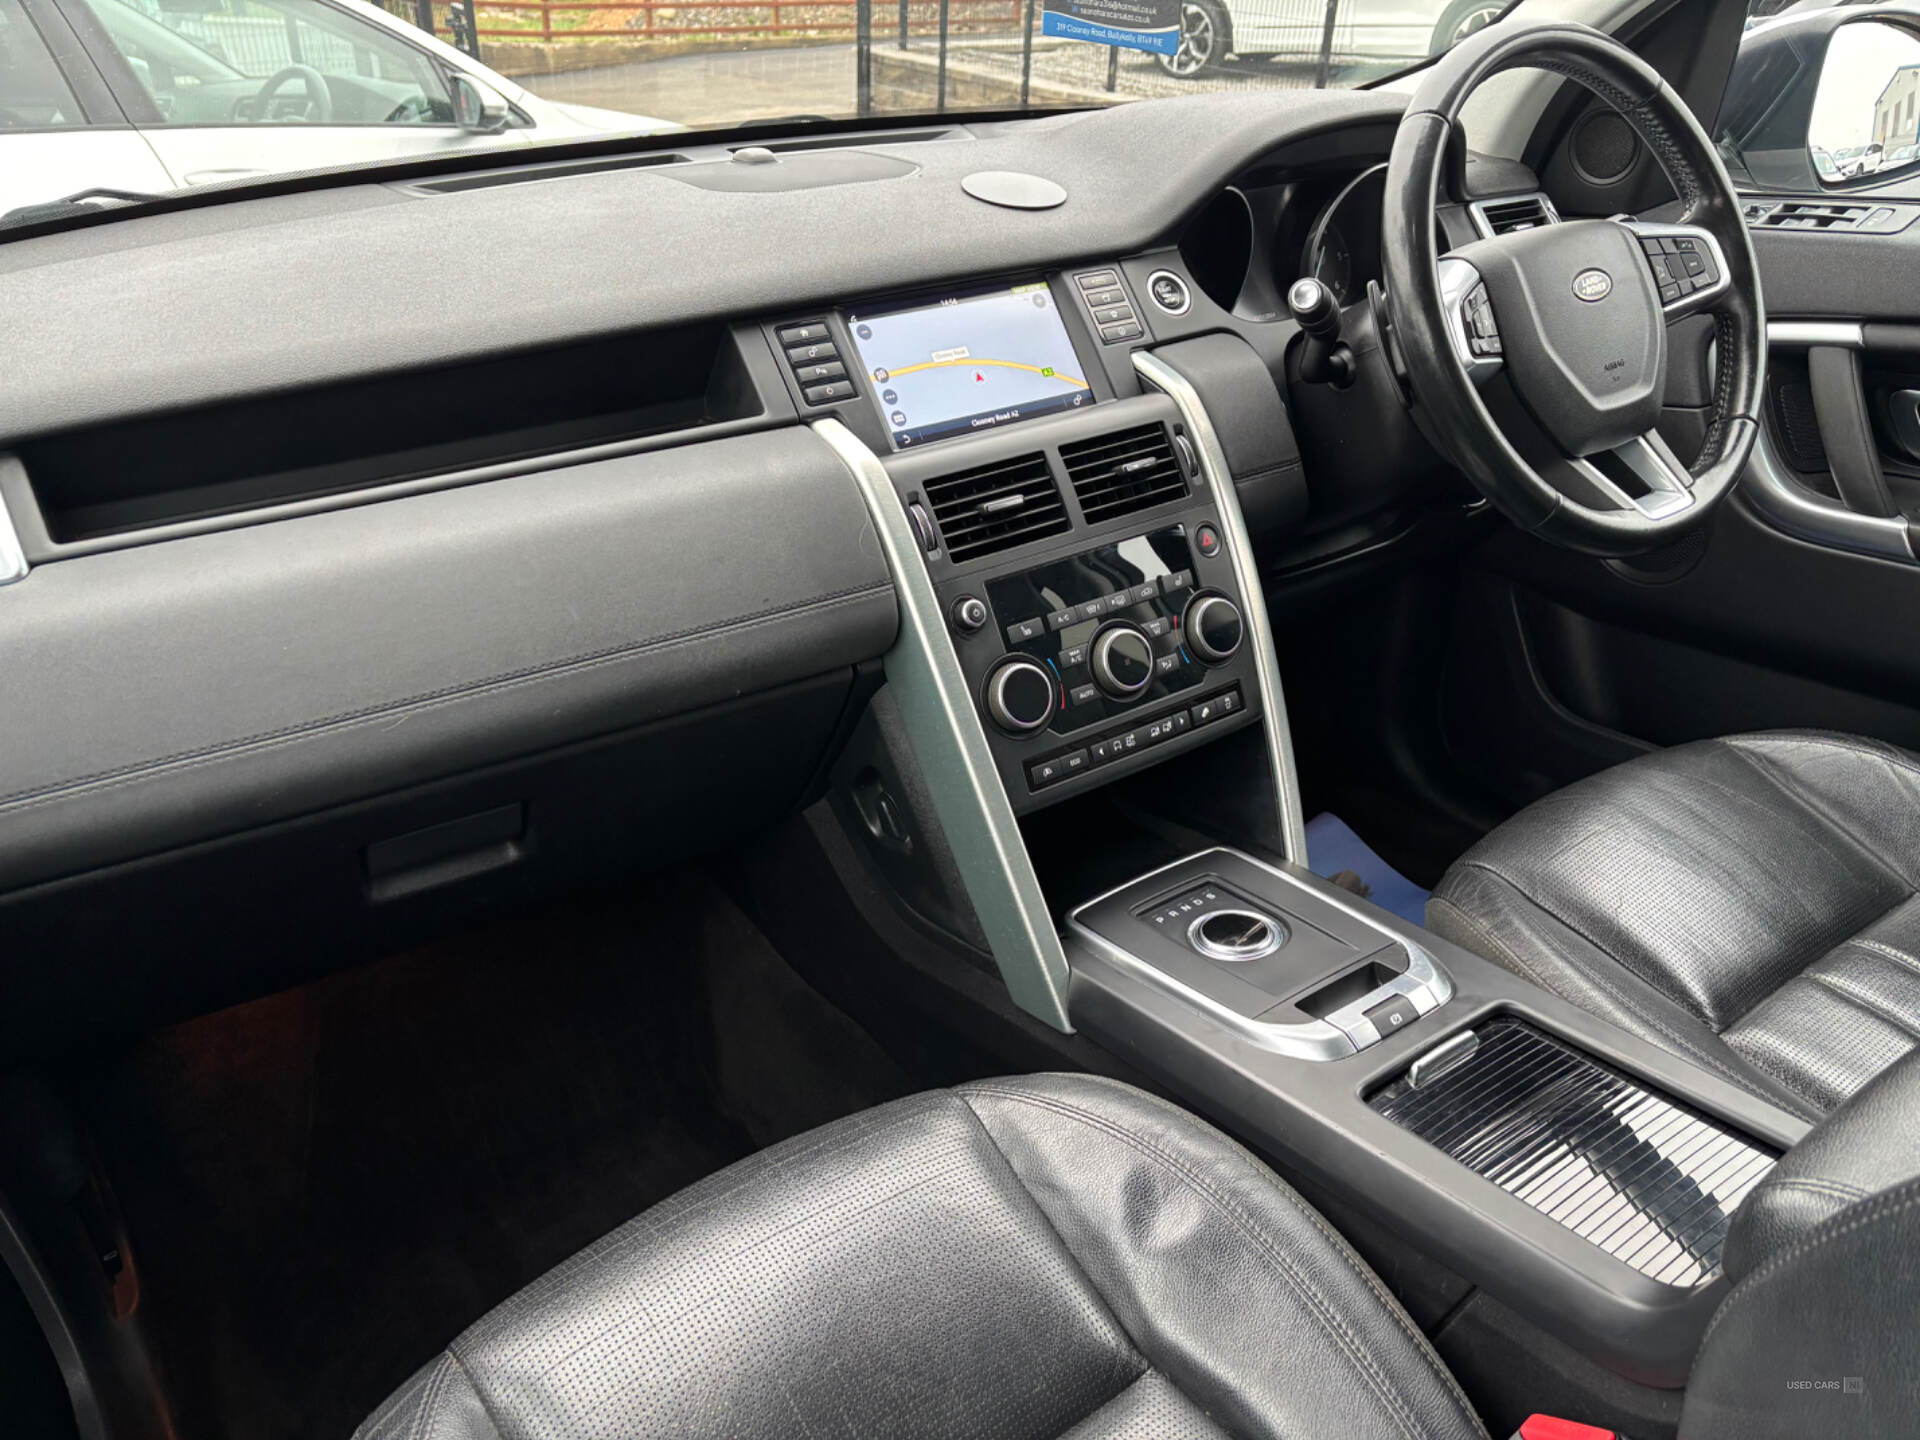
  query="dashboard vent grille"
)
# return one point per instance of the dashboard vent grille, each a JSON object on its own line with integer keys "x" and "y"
{"x": 994, "y": 507}
{"x": 1123, "y": 472}
{"x": 1525, "y": 213}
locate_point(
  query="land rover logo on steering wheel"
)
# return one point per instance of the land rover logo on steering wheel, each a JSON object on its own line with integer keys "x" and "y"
{"x": 1593, "y": 285}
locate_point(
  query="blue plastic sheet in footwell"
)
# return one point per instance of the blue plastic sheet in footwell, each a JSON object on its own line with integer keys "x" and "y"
{"x": 1332, "y": 847}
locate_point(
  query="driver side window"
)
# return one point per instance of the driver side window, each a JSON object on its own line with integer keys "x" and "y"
{"x": 215, "y": 62}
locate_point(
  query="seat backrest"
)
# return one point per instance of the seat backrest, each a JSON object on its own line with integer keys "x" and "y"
{"x": 1820, "y": 1335}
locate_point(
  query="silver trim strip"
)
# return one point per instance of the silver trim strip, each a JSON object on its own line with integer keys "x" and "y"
{"x": 1266, "y": 663}
{"x": 1787, "y": 505}
{"x": 1667, "y": 485}
{"x": 951, "y": 747}
{"x": 1802, "y": 334}
{"x": 1424, "y": 981}
{"x": 1478, "y": 210}
{"x": 13, "y": 560}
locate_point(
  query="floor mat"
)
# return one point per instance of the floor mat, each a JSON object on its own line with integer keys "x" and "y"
{"x": 1333, "y": 847}
{"x": 327, "y": 1185}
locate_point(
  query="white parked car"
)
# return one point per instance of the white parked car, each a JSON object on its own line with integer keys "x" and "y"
{"x": 1211, "y": 30}
{"x": 156, "y": 95}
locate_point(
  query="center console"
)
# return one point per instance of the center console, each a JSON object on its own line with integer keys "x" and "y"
{"x": 1063, "y": 499}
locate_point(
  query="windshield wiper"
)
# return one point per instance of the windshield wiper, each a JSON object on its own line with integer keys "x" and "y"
{"x": 74, "y": 204}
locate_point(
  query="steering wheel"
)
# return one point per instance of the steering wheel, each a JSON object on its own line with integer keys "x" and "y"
{"x": 319, "y": 98}
{"x": 1561, "y": 330}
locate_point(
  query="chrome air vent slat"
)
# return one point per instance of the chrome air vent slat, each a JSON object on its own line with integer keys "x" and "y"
{"x": 1123, "y": 472}
{"x": 994, "y": 507}
{"x": 1512, "y": 212}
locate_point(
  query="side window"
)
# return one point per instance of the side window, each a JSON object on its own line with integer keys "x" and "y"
{"x": 217, "y": 62}
{"x": 33, "y": 93}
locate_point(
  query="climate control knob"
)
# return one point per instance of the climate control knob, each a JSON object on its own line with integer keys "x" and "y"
{"x": 1122, "y": 661}
{"x": 1020, "y": 696}
{"x": 1213, "y": 628}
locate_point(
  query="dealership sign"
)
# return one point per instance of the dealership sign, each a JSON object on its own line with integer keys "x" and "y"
{"x": 1130, "y": 24}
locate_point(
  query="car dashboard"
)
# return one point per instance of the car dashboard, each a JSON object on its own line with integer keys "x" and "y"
{"x": 374, "y": 577}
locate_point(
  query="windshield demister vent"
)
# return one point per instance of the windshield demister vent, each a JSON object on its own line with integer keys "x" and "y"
{"x": 1123, "y": 472}
{"x": 994, "y": 507}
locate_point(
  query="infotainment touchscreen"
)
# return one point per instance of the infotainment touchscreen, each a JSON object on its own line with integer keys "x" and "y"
{"x": 969, "y": 362}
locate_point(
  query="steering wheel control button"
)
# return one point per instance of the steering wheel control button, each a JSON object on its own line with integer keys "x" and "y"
{"x": 1213, "y": 628}
{"x": 1681, "y": 265}
{"x": 969, "y": 614}
{"x": 1022, "y": 631}
{"x": 1020, "y": 696}
{"x": 1122, "y": 661}
{"x": 1396, "y": 1012}
{"x": 1169, "y": 292}
{"x": 1476, "y": 316}
{"x": 1042, "y": 773}
{"x": 1234, "y": 936}
{"x": 1226, "y": 703}
{"x": 1207, "y": 541}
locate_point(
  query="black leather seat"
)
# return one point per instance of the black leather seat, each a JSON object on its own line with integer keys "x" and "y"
{"x": 1748, "y": 902}
{"x": 1049, "y": 1256}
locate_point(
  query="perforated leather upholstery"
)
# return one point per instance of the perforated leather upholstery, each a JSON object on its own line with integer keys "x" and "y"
{"x": 1748, "y": 902}
{"x": 1041, "y": 1257}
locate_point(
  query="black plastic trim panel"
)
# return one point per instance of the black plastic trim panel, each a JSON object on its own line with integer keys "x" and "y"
{"x": 173, "y": 692}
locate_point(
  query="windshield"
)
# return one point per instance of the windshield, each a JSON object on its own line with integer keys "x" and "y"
{"x": 142, "y": 97}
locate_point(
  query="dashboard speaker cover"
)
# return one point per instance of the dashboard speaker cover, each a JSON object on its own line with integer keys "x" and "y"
{"x": 1604, "y": 148}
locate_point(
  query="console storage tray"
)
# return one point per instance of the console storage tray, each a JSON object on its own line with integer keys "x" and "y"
{"x": 1650, "y": 1181}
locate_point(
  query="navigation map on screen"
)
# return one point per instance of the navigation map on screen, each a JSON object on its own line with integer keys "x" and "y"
{"x": 969, "y": 363}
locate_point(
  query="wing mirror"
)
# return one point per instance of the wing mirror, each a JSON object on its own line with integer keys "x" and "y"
{"x": 478, "y": 107}
{"x": 1865, "y": 123}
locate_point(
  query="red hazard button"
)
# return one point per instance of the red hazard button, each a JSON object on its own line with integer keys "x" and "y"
{"x": 1207, "y": 541}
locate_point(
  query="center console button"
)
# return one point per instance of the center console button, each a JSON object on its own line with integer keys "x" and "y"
{"x": 1022, "y": 631}
{"x": 1207, "y": 541}
{"x": 1396, "y": 1012}
{"x": 1073, "y": 655}
{"x": 1020, "y": 696}
{"x": 1060, "y": 619}
{"x": 1084, "y": 694}
{"x": 969, "y": 613}
{"x": 1213, "y": 628}
{"x": 1156, "y": 627}
{"x": 1178, "y": 580}
{"x": 1122, "y": 661}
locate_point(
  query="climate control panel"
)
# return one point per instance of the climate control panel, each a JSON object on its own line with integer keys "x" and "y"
{"x": 1086, "y": 661}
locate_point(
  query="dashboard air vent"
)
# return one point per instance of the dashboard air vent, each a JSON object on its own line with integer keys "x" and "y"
{"x": 1523, "y": 212}
{"x": 994, "y": 507}
{"x": 1123, "y": 472}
